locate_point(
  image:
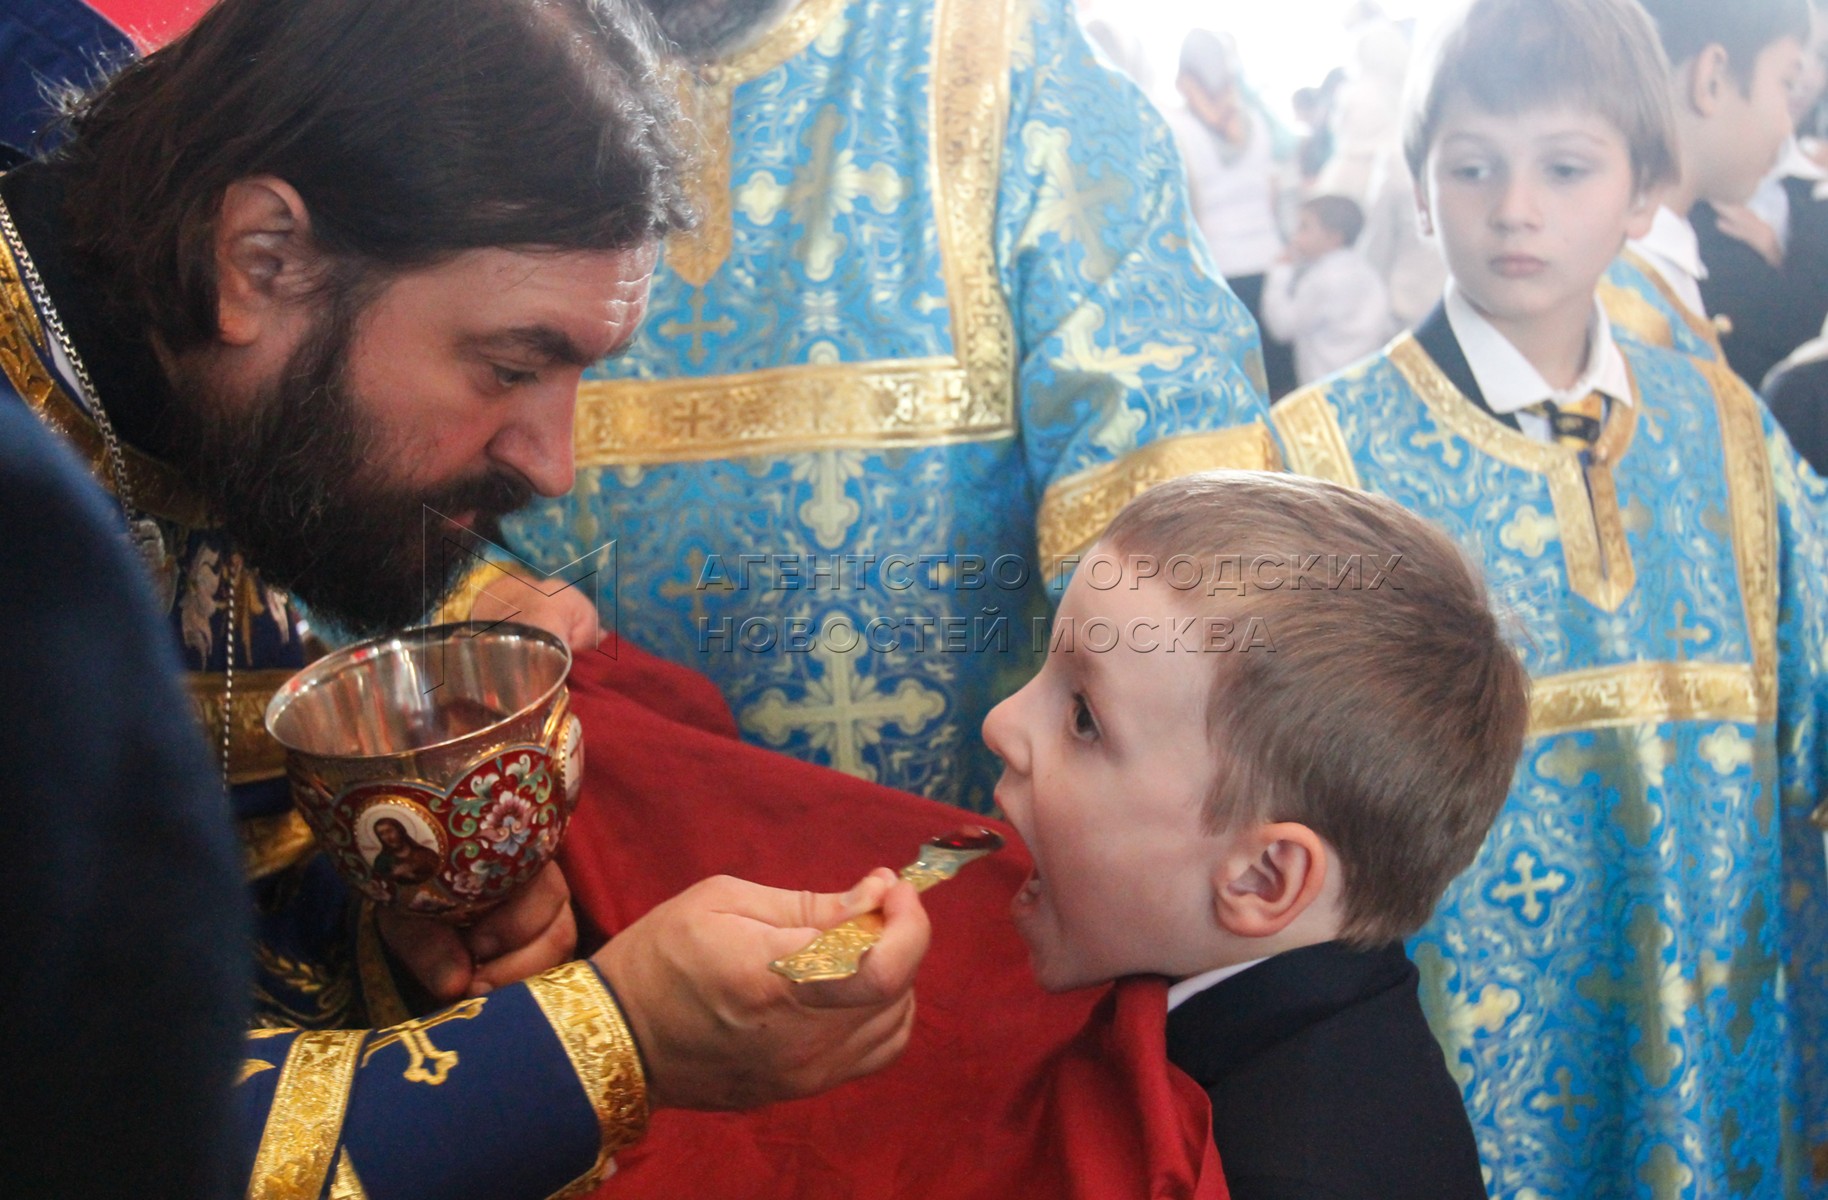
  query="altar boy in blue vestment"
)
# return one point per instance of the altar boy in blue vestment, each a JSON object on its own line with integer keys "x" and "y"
{"x": 1628, "y": 983}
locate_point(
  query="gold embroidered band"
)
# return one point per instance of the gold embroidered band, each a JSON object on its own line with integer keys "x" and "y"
{"x": 347, "y": 1185}
{"x": 1312, "y": 439}
{"x": 1641, "y": 319}
{"x": 966, "y": 396}
{"x": 602, "y": 1052}
{"x": 1643, "y": 693}
{"x": 877, "y": 405}
{"x": 305, "y": 1122}
{"x": 1075, "y": 510}
{"x": 1754, "y": 510}
{"x": 1590, "y": 526}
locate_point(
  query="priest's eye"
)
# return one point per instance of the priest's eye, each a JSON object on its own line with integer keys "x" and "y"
{"x": 513, "y": 377}
{"x": 1085, "y": 726}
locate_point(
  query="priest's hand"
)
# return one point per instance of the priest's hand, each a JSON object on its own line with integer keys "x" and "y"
{"x": 568, "y": 613}
{"x": 719, "y": 1030}
{"x": 531, "y": 931}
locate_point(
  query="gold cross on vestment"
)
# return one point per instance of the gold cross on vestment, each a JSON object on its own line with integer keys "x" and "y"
{"x": 1685, "y": 633}
{"x": 845, "y": 712}
{"x": 412, "y": 1036}
{"x": 695, "y": 565}
{"x": 1565, "y": 1099}
{"x": 1531, "y": 887}
{"x": 697, "y": 327}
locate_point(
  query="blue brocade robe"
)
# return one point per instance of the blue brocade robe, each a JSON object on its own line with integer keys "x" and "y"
{"x": 947, "y": 312}
{"x": 1629, "y": 982}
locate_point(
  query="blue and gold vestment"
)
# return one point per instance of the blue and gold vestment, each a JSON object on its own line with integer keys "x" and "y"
{"x": 1641, "y": 303}
{"x": 523, "y": 1093}
{"x": 1629, "y": 982}
{"x": 945, "y": 314}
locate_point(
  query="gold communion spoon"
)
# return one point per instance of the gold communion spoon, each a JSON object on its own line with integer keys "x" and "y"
{"x": 838, "y": 952}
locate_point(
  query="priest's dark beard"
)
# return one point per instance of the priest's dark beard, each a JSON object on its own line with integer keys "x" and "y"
{"x": 704, "y": 29}
{"x": 299, "y": 481}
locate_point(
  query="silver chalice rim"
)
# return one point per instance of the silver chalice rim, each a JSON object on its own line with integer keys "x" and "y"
{"x": 359, "y": 653}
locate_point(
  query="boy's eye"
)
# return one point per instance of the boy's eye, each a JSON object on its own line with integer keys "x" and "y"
{"x": 1085, "y": 726}
{"x": 1568, "y": 171}
{"x": 1469, "y": 172}
{"x": 513, "y": 376}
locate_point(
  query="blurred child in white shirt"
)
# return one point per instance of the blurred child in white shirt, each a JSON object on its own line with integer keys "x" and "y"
{"x": 1326, "y": 299}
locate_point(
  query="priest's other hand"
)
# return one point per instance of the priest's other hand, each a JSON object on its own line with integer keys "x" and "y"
{"x": 719, "y": 1030}
{"x": 568, "y": 613}
{"x": 531, "y": 931}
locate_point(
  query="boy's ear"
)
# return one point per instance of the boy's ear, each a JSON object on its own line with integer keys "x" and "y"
{"x": 1269, "y": 877}
{"x": 263, "y": 257}
{"x": 1424, "y": 217}
{"x": 1705, "y": 79}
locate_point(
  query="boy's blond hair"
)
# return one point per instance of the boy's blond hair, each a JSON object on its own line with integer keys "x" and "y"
{"x": 1388, "y": 713}
{"x": 1517, "y": 56}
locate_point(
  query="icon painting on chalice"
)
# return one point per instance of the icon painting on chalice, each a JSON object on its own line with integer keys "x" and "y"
{"x": 403, "y": 849}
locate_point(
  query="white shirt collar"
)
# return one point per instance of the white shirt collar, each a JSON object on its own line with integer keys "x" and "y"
{"x": 1186, "y": 989}
{"x": 1672, "y": 238}
{"x": 1506, "y": 378}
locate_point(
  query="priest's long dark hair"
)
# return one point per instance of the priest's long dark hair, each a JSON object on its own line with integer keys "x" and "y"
{"x": 413, "y": 129}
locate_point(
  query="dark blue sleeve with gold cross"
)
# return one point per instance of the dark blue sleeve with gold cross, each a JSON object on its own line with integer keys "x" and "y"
{"x": 522, "y": 1093}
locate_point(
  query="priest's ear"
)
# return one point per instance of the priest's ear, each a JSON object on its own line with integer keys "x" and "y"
{"x": 1268, "y": 877}
{"x": 264, "y": 259}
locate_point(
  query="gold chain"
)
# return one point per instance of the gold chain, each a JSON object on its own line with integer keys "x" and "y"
{"x": 143, "y": 533}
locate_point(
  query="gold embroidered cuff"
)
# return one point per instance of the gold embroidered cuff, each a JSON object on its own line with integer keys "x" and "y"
{"x": 305, "y": 1123}
{"x": 1076, "y": 509}
{"x": 602, "y": 1051}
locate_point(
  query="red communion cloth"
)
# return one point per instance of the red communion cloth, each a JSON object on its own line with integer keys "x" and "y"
{"x": 1004, "y": 1091}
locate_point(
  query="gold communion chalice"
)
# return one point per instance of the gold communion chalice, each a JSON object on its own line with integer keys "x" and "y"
{"x": 437, "y": 767}
{"x": 838, "y": 952}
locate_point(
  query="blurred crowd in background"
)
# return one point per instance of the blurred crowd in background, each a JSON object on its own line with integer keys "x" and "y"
{"x": 1293, "y": 146}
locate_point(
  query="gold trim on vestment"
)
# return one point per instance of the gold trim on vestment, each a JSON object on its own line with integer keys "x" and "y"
{"x": 157, "y": 488}
{"x": 273, "y": 843}
{"x": 602, "y": 1052}
{"x": 969, "y": 108}
{"x": 884, "y": 404}
{"x": 1075, "y": 510}
{"x": 876, "y": 405}
{"x": 381, "y": 998}
{"x": 254, "y": 755}
{"x": 706, "y": 98}
{"x": 1627, "y": 309}
{"x": 1312, "y": 438}
{"x": 305, "y": 1121}
{"x": 1753, "y": 501}
{"x": 1642, "y": 319}
{"x": 347, "y": 1185}
{"x": 1591, "y": 525}
{"x": 1643, "y": 693}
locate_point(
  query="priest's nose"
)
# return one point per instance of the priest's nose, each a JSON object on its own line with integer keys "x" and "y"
{"x": 536, "y": 440}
